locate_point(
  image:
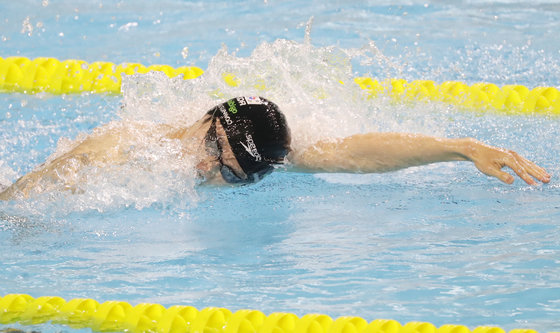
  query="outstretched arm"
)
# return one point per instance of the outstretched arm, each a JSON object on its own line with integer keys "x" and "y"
{"x": 382, "y": 152}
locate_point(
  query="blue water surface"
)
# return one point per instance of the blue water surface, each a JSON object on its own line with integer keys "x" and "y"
{"x": 439, "y": 243}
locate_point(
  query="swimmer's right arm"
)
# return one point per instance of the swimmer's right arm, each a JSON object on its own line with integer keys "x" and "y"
{"x": 383, "y": 152}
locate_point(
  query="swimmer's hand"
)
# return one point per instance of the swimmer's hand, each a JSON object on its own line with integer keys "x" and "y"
{"x": 382, "y": 152}
{"x": 491, "y": 160}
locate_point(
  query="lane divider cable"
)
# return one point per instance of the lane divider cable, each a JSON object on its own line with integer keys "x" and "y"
{"x": 50, "y": 75}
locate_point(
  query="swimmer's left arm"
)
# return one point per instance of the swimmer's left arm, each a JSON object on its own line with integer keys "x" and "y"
{"x": 383, "y": 152}
{"x": 95, "y": 149}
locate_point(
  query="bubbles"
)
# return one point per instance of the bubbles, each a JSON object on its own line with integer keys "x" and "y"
{"x": 27, "y": 27}
{"x": 128, "y": 26}
{"x": 185, "y": 52}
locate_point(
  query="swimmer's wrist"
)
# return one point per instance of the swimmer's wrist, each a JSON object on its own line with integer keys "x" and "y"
{"x": 465, "y": 148}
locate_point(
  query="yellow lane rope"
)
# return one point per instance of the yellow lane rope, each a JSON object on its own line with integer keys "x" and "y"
{"x": 117, "y": 316}
{"x": 479, "y": 96}
{"x": 20, "y": 74}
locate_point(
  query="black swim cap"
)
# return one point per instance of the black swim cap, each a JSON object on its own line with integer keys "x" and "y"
{"x": 257, "y": 133}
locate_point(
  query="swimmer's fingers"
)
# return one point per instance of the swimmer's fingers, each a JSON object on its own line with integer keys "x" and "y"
{"x": 522, "y": 167}
{"x": 527, "y": 169}
{"x": 521, "y": 171}
{"x": 496, "y": 171}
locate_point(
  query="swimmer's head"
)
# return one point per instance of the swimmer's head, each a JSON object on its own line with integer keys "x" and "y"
{"x": 257, "y": 133}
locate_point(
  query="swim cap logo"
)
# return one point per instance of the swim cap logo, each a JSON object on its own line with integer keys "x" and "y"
{"x": 253, "y": 100}
{"x": 251, "y": 148}
{"x": 232, "y": 107}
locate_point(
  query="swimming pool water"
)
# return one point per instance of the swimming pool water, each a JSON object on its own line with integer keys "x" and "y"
{"x": 439, "y": 243}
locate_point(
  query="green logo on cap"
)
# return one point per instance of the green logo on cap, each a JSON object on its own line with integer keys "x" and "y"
{"x": 232, "y": 107}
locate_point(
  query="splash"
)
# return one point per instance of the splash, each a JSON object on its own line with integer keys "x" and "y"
{"x": 314, "y": 86}
{"x": 6, "y": 174}
{"x": 153, "y": 171}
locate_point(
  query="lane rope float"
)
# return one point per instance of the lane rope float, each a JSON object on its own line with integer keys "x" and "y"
{"x": 118, "y": 316}
{"x": 20, "y": 74}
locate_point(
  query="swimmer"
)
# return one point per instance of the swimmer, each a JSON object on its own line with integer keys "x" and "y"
{"x": 242, "y": 140}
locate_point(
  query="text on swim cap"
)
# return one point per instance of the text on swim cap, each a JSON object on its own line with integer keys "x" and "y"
{"x": 226, "y": 116}
{"x": 241, "y": 101}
